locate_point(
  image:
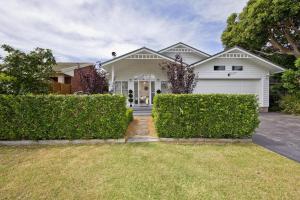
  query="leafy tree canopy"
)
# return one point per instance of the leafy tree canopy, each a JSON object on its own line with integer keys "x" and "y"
{"x": 291, "y": 78}
{"x": 266, "y": 25}
{"x": 27, "y": 72}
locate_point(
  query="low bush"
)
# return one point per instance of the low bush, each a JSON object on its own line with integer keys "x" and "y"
{"x": 62, "y": 117}
{"x": 291, "y": 104}
{"x": 208, "y": 116}
{"x": 129, "y": 115}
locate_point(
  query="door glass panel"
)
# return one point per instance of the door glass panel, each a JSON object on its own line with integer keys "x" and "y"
{"x": 136, "y": 95}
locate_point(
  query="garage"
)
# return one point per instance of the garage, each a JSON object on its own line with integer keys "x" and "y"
{"x": 223, "y": 86}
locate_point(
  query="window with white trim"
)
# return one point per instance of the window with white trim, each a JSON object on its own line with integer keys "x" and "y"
{"x": 237, "y": 68}
{"x": 164, "y": 87}
{"x": 121, "y": 87}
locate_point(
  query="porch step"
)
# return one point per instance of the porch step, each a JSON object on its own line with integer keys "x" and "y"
{"x": 142, "y": 110}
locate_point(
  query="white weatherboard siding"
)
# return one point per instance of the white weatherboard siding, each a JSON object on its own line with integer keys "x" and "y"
{"x": 188, "y": 58}
{"x": 265, "y": 91}
{"x": 251, "y": 69}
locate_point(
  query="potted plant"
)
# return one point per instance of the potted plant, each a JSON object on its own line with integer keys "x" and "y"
{"x": 130, "y": 99}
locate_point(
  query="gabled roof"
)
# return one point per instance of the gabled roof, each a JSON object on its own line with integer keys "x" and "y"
{"x": 137, "y": 51}
{"x": 185, "y": 45}
{"x": 279, "y": 68}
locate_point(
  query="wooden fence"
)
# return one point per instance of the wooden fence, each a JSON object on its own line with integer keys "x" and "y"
{"x": 60, "y": 88}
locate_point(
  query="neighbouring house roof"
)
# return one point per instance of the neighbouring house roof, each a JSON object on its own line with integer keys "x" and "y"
{"x": 62, "y": 66}
{"x": 185, "y": 45}
{"x": 275, "y": 66}
{"x": 135, "y": 52}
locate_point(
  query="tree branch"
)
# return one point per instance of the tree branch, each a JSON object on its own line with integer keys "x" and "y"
{"x": 278, "y": 46}
{"x": 293, "y": 43}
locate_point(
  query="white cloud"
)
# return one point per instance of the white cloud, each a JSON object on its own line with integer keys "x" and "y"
{"x": 217, "y": 10}
{"x": 89, "y": 30}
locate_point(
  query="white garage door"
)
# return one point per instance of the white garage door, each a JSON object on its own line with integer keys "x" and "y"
{"x": 227, "y": 87}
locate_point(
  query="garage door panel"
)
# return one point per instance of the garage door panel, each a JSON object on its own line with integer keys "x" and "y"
{"x": 227, "y": 87}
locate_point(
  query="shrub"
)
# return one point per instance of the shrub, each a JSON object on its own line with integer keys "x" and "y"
{"x": 209, "y": 116}
{"x": 129, "y": 115}
{"x": 62, "y": 117}
{"x": 291, "y": 104}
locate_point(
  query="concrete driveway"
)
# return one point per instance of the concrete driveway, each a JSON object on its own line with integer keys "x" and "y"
{"x": 279, "y": 133}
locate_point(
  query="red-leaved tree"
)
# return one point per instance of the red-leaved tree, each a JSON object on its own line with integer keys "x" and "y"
{"x": 180, "y": 76}
{"x": 93, "y": 80}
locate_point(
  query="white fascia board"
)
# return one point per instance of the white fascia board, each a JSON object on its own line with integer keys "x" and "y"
{"x": 135, "y": 52}
{"x": 186, "y": 46}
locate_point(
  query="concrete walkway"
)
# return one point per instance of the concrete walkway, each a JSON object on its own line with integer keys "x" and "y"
{"x": 279, "y": 133}
{"x": 141, "y": 130}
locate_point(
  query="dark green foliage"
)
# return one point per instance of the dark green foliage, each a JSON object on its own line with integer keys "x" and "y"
{"x": 291, "y": 78}
{"x": 62, "y": 117}
{"x": 208, "y": 116}
{"x": 129, "y": 115}
{"x": 30, "y": 71}
{"x": 291, "y": 104}
{"x": 266, "y": 25}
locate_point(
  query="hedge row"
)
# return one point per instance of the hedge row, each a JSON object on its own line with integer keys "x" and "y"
{"x": 208, "y": 116}
{"x": 291, "y": 104}
{"x": 62, "y": 117}
{"x": 129, "y": 115}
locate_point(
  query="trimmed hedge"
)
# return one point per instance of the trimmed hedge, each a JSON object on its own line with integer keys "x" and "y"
{"x": 290, "y": 104}
{"x": 129, "y": 115}
{"x": 208, "y": 116}
{"x": 40, "y": 117}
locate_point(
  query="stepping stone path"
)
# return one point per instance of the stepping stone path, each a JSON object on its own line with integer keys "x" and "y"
{"x": 141, "y": 129}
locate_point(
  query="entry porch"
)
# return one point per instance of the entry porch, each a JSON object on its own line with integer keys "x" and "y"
{"x": 142, "y": 73}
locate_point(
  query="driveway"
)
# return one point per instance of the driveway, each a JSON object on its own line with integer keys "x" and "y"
{"x": 279, "y": 133}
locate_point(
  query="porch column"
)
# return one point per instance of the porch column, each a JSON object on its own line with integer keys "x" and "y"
{"x": 112, "y": 78}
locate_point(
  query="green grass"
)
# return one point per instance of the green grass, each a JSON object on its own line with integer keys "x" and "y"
{"x": 147, "y": 171}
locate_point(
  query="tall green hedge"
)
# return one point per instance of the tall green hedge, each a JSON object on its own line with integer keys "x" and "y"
{"x": 208, "y": 116}
{"x": 62, "y": 117}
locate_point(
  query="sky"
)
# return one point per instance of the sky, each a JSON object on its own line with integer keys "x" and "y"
{"x": 89, "y": 30}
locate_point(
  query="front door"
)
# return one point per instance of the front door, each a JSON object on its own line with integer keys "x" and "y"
{"x": 144, "y": 92}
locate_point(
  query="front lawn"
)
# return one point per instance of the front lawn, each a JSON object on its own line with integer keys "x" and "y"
{"x": 147, "y": 171}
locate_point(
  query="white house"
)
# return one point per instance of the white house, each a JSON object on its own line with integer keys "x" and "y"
{"x": 233, "y": 71}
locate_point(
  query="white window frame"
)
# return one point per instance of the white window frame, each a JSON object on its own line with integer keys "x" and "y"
{"x": 121, "y": 87}
{"x": 237, "y": 66}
